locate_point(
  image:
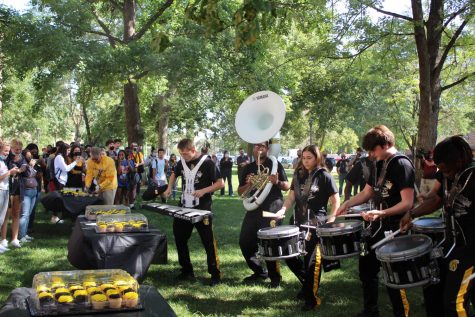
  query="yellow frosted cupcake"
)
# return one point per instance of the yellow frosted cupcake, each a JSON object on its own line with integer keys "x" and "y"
{"x": 45, "y": 298}
{"x": 43, "y": 288}
{"x": 61, "y": 292}
{"x": 98, "y": 301}
{"x": 80, "y": 296}
{"x": 131, "y": 299}
{"x": 89, "y": 284}
{"x": 75, "y": 287}
{"x": 106, "y": 286}
{"x": 119, "y": 227}
{"x": 65, "y": 299}
{"x": 115, "y": 301}
{"x": 94, "y": 290}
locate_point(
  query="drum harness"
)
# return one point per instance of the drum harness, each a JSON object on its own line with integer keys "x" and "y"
{"x": 188, "y": 200}
{"x": 450, "y": 197}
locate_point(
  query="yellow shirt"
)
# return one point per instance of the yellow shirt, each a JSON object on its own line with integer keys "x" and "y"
{"x": 104, "y": 172}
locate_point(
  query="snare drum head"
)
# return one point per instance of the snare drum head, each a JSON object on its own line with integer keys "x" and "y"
{"x": 340, "y": 227}
{"x": 429, "y": 225}
{"x": 403, "y": 248}
{"x": 278, "y": 232}
{"x": 358, "y": 209}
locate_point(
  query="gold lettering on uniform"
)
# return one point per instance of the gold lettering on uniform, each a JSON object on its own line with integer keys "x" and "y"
{"x": 206, "y": 221}
{"x": 453, "y": 265}
{"x": 272, "y": 223}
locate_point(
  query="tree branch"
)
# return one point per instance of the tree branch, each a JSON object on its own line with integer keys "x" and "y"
{"x": 107, "y": 31}
{"x": 117, "y": 5}
{"x": 151, "y": 20}
{"x": 450, "y": 45}
{"x": 454, "y": 15}
{"x": 455, "y": 83}
{"x": 393, "y": 14}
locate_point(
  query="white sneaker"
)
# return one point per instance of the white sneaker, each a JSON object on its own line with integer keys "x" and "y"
{"x": 29, "y": 238}
{"x": 3, "y": 249}
{"x": 24, "y": 240}
{"x": 15, "y": 243}
{"x": 4, "y": 243}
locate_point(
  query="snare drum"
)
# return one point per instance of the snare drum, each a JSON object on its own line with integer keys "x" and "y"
{"x": 354, "y": 213}
{"x": 432, "y": 227}
{"x": 281, "y": 242}
{"x": 341, "y": 239}
{"x": 407, "y": 261}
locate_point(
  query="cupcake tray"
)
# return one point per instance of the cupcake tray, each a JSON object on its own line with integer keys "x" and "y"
{"x": 123, "y": 231}
{"x": 73, "y": 309}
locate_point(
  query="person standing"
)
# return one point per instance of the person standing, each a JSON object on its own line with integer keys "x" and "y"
{"x": 429, "y": 169}
{"x": 139, "y": 165}
{"x": 171, "y": 167}
{"x": 450, "y": 297}
{"x": 159, "y": 167}
{"x": 342, "y": 170}
{"x": 226, "y": 169}
{"x": 253, "y": 220}
{"x": 200, "y": 178}
{"x": 295, "y": 161}
{"x": 102, "y": 169}
{"x": 5, "y": 173}
{"x": 312, "y": 187}
{"x": 241, "y": 161}
{"x": 358, "y": 175}
{"x": 393, "y": 192}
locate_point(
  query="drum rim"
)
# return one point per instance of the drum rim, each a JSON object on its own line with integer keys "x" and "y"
{"x": 404, "y": 255}
{"x": 330, "y": 232}
{"x": 262, "y": 236}
{"x": 358, "y": 207}
{"x": 339, "y": 257}
{"x": 410, "y": 285}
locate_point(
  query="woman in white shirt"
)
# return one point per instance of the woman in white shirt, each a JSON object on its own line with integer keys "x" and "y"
{"x": 61, "y": 169}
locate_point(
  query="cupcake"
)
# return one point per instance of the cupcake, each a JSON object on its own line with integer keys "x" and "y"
{"x": 110, "y": 228}
{"x": 89, "y": 284}
{"x": 128, "y": 227}
{"x": 106, "y": 286}
{"x": 45, "y": 298}
{"x": 43, "y": 288}
{"x": 119, "y": 227}
{"x": 80, "y": 296}
{"x": 61, "y": 292}
{"x": 115, "y": 301}
{"x": 98, "y": 301}
{"x": 102, "y": 228}
{"x": 131, "y": 299}
{"x": 94, "y": 290}
{"x": 75, "y": 287}
{"x": 57, "y": 284}
{"x": 65, "y": 299}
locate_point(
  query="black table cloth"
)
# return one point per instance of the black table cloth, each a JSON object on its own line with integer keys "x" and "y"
{"x": 130, "y": 251}
{"x": 152, "y": 301}
{"x": 68, "y": 205}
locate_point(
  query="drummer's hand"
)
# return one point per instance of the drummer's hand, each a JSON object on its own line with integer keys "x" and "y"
{"x": 167, "y": 192}
{"x": 331, "y": 219}
{"x": 372, "y": 215}
{"x": 421, "y": 197}
{"x": 248, "y": 178}
{"x": 342, "y": 209}
{"x": 199, "y": 193}
{"x": 274, "y": 179}
{"x": 281, "y": 213}
{"x": 406, "y": 222}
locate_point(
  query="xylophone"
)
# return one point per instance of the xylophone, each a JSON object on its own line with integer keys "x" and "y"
{"x": 188, "y": 214}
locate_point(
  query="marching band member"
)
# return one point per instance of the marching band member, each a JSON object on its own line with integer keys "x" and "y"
{"x": 200, "y": 179}
{"x": 253, "y": 220}
{"x": 312, "y": 187}
{"x": 454, "y": 159}
{"x": 393, "y": 192}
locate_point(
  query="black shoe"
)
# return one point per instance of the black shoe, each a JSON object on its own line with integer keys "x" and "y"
{"x": 308, "y": 307}
{"x": 186, "y": 277}
{"x": 300, "y": 295}
{"x": 215, "y": 281}
{"x": 366, "y": 313}
{"x": 274, "y": 283}
{"x": 254, "y": 278}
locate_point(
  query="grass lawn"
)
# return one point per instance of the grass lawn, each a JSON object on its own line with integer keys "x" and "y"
{"x": 340, "y": 289}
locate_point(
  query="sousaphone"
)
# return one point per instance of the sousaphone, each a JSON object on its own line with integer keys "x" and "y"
{"x": 259, "y": 119}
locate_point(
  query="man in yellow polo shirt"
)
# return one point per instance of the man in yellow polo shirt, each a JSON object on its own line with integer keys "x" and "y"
{"x": 102, "y": 169}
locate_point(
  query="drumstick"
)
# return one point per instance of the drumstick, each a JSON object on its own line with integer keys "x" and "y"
{"x": 469, "y": 278}
{"x": 377, "y": 244}
{"x": 267, "y": 214}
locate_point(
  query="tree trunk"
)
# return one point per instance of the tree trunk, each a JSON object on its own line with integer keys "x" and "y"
{"x": 162, "y": 122}
{"x": 132, "y": 114}
{"x": 86, "y": 122}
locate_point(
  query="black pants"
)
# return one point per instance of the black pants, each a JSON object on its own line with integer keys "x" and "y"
{"x": 369, "y": 267}
{"x": 253, "y": 221}
{"x": 227, "y": 174}
{"x": 450, "y": 297}
{"x": 308, "y": 269}
{"x": 182, "y": 230}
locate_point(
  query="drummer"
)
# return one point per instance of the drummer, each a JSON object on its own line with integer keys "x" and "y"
{"x": 253, "y": 220}
{"x": 450, "y": 297}
{"x": 312, "y": 187}
{"x": 393, "y": 192}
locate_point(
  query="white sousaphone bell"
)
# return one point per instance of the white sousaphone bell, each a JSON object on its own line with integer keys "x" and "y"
{"x": 259, "y": 119}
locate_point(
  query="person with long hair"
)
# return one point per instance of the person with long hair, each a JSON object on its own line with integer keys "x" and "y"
{"x": 455, "y": 192}
{"x": 311, "y": 190}
{"x": 61, "y": 169}
{"x": 171, "y": 167}
{"x": 75, "y": 175}
{"x": 30, "y": 192}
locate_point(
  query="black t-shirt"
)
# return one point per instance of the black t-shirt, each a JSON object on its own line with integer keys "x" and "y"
{"x": 323, "y": 186}
{"x": 360, "y": 172}
{"x": 463, "y": 207}
{"x": 342, "y": 166}
{"x": 275, "y": 194}
{"x": 226, "y": 164}
{"x": 207, "y": 175}
{"x": 241, "y": 159}
{"x": 400, "y": 174}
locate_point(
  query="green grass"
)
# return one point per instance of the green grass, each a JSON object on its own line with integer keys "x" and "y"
{"x": 340, "y": 289}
